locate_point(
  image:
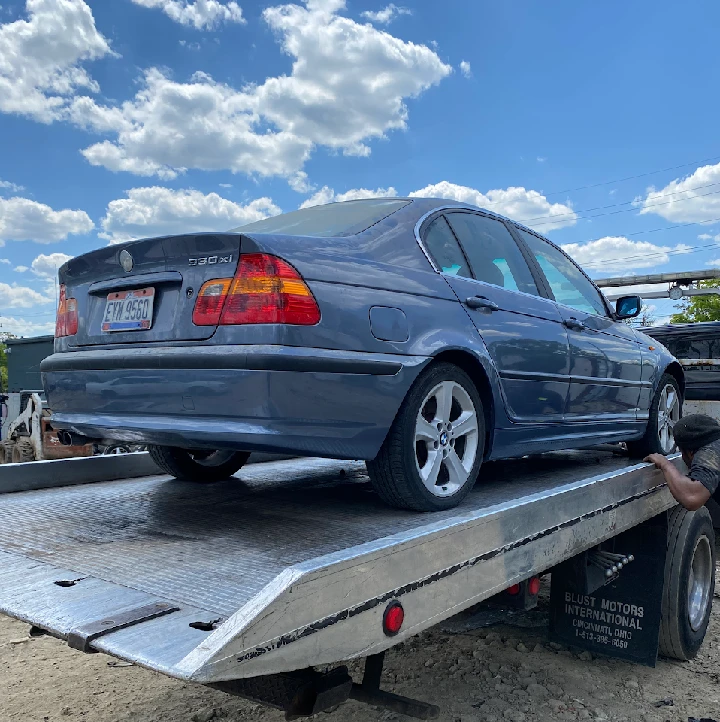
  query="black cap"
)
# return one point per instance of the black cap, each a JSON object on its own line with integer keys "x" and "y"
{"x": 695, "y": 431}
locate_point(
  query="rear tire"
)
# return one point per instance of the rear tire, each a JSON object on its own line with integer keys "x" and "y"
{"x": 23, "y": 451}
{"x": 201, "y": 467}
{"x": 433, "y": 451}
{"x": 660, "y": 422}
{"x": 689, "y": 583}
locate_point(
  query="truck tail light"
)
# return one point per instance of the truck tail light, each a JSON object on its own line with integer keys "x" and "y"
{"x": 66, "y": 323}
{"x": 393, "y": 618}
{"x": 265, "y": 289}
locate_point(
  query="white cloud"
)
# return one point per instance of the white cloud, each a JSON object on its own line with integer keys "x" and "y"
{"x": 47, "y": 265}
{"x": 24, "y": 220}
{"x": 156, "y": 211}
{"x": 24, "y": 327}
{"x": 386, "y": 15}
{"x": 6, "y": 261}
{"x": 225, "y": 185}
{"x": 328, "y": 195}
{"x": 709, "y": 237}
{"x": 684, "y": 205}
{"x": 541, "y": 159}
{"x": 13, "y": 187}
{"x": 617, "y": 253}
{"x": 299, "y": 182}
{"x": 40, "y": 58}
{"x": 715, "y": 263}
{"x": 14, "y": 296}
{"x": 526, "y": 206}
{"x": 201, "y": 14}
{"x": 348, "y": 84}
{"x": 465, "y": 69}
{"x": 20, "y": 269}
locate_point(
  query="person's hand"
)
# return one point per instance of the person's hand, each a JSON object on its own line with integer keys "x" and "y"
{"x": 658, "y": 459}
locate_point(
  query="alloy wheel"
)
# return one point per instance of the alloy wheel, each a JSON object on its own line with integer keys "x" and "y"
{"x": 446, "y": 438}
{"x": 668, "y": 416}
{"x": 700, "y": 583}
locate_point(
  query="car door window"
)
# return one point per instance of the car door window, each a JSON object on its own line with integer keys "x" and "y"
{"x": 492, "y": 252}
{"x": 567, "y": 282}
{"x": 441, "y": 244}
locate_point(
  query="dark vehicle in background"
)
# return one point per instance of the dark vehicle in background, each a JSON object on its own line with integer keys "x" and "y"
{"x": 697, "y": 348}
{"x": 422, "y": 335}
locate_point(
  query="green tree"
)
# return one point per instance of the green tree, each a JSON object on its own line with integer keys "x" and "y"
{"x": 699, "y": 308}
{"x": 3, "y": 360}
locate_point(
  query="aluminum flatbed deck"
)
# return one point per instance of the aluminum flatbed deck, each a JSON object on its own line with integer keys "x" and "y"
{"x": 293, "y": 563}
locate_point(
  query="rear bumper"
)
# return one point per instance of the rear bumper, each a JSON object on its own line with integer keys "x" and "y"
{"x": 259, "y": 398}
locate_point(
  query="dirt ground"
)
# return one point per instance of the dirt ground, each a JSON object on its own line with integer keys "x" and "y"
{"x": 485, "y": 675}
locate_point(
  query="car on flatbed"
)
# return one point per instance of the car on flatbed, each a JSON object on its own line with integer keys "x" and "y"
{"x": 422, "y": 335}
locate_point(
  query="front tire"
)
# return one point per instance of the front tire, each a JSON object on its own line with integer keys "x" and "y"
{"x": 201, "y": 467}
{"x": 665, "y": 412}
{"x": 433, "y": 451}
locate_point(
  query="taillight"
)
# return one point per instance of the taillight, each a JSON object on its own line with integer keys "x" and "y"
{"x": 66, "y": 323}
{"x": 265, "y": 289}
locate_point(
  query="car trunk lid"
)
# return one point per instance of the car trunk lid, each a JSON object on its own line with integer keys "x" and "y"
{"x": 165, "y": 272}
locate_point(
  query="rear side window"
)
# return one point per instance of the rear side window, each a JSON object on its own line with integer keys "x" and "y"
{"x": 492, "y": 252}
{"x": 333, "y": 219}
{"x": 442, "y": 245}
{"x": 693, "y": 348}
{"x": 567, "y": 282}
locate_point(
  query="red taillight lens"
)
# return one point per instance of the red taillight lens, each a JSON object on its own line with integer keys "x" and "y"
{"x": 393, "y": 619}
{"x": 514, "y": 590}
{"x": 210, "y": 301}
{"x": 66, "y": 323}
{"x": 265, "y": 289}
{"x": 534, "y": 586}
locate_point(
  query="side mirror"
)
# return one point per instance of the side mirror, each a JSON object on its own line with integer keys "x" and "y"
{"x": 628, "y": 307}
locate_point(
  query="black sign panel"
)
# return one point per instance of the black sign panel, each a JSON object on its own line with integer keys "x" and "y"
{"x": 621, "y": 619}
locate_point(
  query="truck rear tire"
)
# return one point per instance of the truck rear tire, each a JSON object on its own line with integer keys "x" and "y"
{"x": 689, "y": 582}
{"x": 433, "y": 451}
{"x": 23, "y": 451}
{"x": 201, "y": 467}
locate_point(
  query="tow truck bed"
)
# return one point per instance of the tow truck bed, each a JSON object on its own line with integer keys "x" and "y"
{"x": 293, "y": 563}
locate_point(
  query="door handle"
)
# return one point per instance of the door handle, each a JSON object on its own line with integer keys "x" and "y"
{"x": 481, "y": 302}
{"x": 573, "y": 324}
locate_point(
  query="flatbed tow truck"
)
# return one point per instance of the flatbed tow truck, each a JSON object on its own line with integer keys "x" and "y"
{"x": 263, "y": 585}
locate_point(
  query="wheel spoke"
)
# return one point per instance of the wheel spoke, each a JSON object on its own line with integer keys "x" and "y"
{"x": 466, "y": 424}
{"x": 425, "y": 431}
{"x": 456, "y": 471}
{"x": 671, "y": 400}
{"x": 429, "y": 473}
{"x": 444, "y": 396}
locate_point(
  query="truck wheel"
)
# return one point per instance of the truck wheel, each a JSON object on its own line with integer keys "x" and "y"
{"x": 665, "y": 412}
{"x": 689, "y": 582}
{"x": 202, "y": 467}
{"x": 6, "y": 448}
{"x": 23, "y": 451}
{"x": 433, "y": 451}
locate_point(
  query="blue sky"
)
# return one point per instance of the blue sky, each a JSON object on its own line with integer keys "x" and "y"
{"x": 133, "y": 118}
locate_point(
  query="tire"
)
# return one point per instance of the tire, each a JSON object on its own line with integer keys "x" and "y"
{"x": 201, "y": 467}
{"x": 652, "y": 441}
{"x": 23, "y": 451}
{"x": 689, "y": 583}
{"x": 6, "y": 448}
{"x": 412, "y": 444}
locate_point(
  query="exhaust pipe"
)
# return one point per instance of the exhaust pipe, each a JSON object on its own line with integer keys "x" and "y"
{"x": 68, "y": 438}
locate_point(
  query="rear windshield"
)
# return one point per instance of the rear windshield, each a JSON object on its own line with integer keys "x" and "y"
{"x": 334, "y": 219}
{"x": 689, "y": 347}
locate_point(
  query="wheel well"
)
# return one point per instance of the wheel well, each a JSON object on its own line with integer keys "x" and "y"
{"x": 676, "y": 371}
{"x": 474, "y": 369}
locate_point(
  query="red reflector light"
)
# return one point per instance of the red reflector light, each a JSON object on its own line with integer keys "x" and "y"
{"x": 393, "y": 619}
{"x": 534, "y": 586}
{"x": 265, "y": 289}
{"x": 514, "y": 590}
{"x": 66, "y": 322}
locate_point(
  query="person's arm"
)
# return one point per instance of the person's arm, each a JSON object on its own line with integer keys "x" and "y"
{"x": 691, "y": 494}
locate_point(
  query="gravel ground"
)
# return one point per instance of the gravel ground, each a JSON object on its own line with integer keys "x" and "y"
{"x": 487, "y": 675}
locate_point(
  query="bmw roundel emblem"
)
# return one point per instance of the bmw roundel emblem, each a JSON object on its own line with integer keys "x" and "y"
{"x": 126, "y": 261}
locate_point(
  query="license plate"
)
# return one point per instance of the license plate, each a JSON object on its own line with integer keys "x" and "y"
{"x": 129, "y": 310}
